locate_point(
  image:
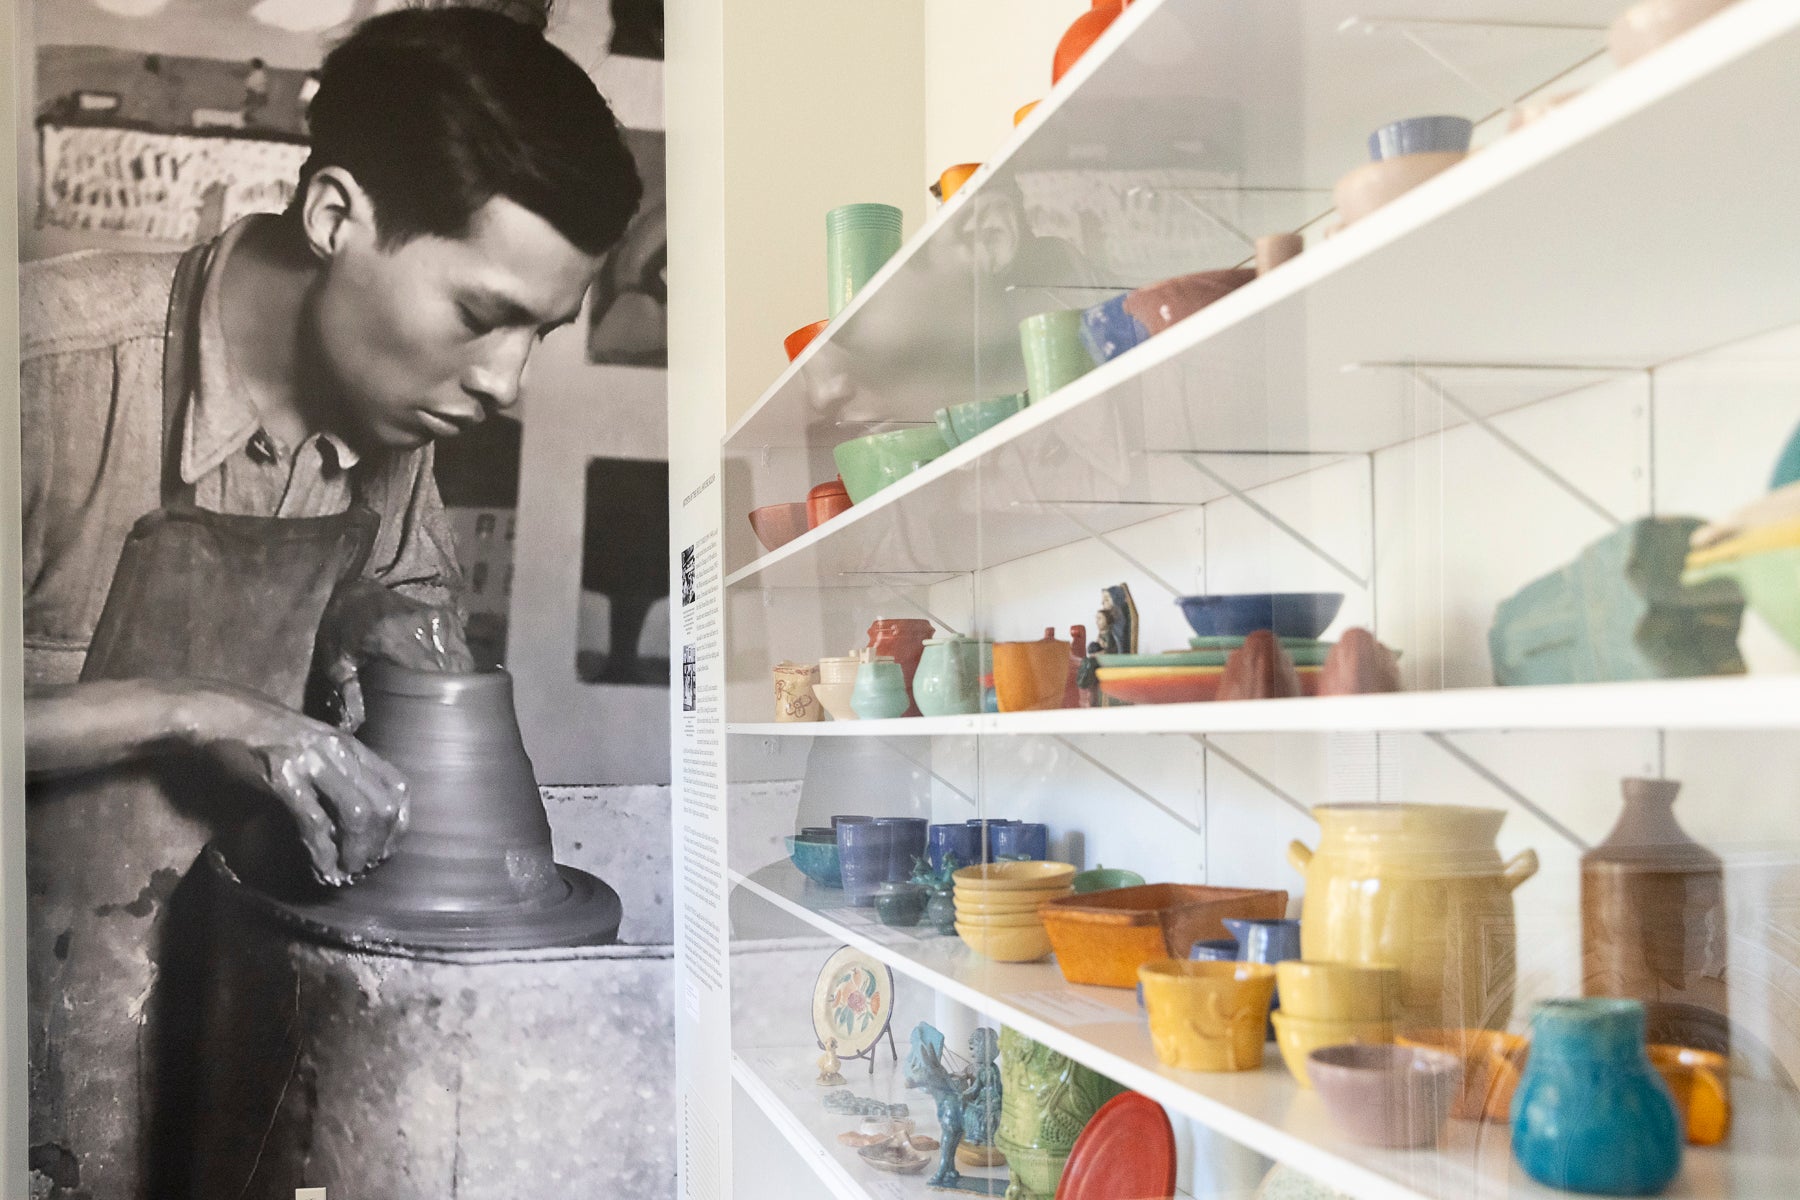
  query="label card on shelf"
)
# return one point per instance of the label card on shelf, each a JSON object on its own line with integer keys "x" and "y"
{"x": 1066, "y": 1008}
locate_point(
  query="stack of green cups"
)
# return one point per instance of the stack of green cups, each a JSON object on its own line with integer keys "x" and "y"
{"x": 859, "y": 239}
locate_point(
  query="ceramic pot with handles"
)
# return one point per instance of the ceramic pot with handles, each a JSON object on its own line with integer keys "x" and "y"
{"x": 1421, "y": 886}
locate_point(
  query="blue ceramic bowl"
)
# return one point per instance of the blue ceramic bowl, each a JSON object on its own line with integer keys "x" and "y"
{"x": 1421, "y": 135}
{"x": 818, "y": 861}
{"x": 1108, "y": 331}
{"x": 1289, "y": 614}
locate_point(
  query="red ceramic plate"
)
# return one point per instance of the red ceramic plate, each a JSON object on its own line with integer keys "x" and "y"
{"x": 1127, "y": 1152}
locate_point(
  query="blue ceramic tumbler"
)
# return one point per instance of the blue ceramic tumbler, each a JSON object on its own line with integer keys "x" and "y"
{"x": 1021, "y": 839}
{"x": 1590, "y": 1113}
{"x": 906, "y": 844}
{"x": 961, "y": 841}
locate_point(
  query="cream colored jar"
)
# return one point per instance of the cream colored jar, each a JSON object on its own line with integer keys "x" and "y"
{"x": 1421, "y": 886}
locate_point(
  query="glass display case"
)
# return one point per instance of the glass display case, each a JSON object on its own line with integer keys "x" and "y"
{"x": 1427, "y": 602}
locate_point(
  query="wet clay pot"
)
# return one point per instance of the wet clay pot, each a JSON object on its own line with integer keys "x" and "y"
{"x": 1420, "y": 886}
{"x": 1260, "y": 669}
{"x": 475, "y": 868}
{"x": 903, "y": 640}
{"x": 1653, "y": 912}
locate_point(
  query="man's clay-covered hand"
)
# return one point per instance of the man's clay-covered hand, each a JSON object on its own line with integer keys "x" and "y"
{"x": 368, "y": 621}
{"x": 349, "y": 805}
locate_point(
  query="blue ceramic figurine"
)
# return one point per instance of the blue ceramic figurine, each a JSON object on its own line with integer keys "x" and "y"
{"x": 925, "y": 1069}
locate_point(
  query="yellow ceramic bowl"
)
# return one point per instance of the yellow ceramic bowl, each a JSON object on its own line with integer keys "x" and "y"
{"x": 1492, "y": 1063}
{"x": 997, "y": 903}
{"x": 1334, "y": 991}
{"x": 1701, "y": 1082}
{"x": 1208, "y": 1016}
{"x": 1022, "y": 920}
{"x": 1025, "y": 944}
{"x": 1014, "y": 877}
{"x": 1299, "y": 1037}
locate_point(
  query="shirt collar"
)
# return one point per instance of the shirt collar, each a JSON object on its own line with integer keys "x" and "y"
{"x": 221, "y": 419}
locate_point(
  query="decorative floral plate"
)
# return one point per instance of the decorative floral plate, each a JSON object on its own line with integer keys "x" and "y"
{"x": 853, "y": 1001}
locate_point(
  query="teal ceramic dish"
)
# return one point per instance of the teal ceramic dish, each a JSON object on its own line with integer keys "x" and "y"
{"x": 818, "y": 861}
{"x": 960, "y": 422}
{"x": 1105, "y": 879}
{"x": 871, "y": 463}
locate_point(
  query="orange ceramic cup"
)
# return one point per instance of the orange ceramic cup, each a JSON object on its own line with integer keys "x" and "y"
{"x": 1700, "y": 1081}
{"x": 1030, "y": 675}
{"x": 1491, "y": 1061}
{"x": 951, "y": 181}
{"x": 1024, "y": 111}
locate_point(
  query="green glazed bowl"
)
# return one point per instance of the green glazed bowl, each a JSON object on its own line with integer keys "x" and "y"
{"x": 960, "y": 422}
{"x": 1307, "y": 654}
{"x": 871, "y": 463}
{"x": 1770, "y": 582}
{"x": 1104, "y": 879}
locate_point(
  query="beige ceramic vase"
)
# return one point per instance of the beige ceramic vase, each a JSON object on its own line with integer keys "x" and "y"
{"x": 794, "y": 698}
{"x": 1421, "y": 886}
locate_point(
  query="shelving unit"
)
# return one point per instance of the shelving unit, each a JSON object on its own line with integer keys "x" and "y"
{"x": 1265, "y": 1110}
{"x": 1626, "y": 235}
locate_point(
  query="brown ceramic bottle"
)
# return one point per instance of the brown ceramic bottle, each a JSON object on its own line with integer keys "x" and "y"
{"x": 1653, "y": 919}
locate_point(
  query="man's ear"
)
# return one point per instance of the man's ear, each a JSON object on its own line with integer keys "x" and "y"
{"x": 332, "y": 209}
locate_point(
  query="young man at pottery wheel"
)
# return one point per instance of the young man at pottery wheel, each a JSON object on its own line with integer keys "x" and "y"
{"x": 228, "y": 493}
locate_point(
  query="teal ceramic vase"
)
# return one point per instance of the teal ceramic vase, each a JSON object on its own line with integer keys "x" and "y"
{"x": 1591, "y": 1114}
{"x": 880, "y": 691}
{"x": 948, "y": 681}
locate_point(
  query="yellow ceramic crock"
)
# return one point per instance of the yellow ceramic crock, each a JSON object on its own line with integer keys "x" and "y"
{"x": 1420, "y": 886}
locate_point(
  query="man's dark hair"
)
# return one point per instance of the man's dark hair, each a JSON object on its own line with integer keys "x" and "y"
{"x": 436, "y": 112}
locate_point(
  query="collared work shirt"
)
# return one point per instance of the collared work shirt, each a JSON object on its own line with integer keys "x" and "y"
{"x": 91, "y": 411}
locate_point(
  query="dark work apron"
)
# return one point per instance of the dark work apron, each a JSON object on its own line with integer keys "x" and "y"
{"x": 115, "y": 947}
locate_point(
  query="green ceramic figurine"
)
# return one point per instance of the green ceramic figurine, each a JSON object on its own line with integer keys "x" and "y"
{"x": 1048, "y": 1100}
{"x": 1620, "y": 612}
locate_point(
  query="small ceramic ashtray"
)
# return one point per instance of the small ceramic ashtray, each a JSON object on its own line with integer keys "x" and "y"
{"x": 1393, "y": 1096}
{"x": 1421, "y": 135}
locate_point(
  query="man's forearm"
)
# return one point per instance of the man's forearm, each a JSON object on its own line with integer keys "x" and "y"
{"x": 86, "y": 726}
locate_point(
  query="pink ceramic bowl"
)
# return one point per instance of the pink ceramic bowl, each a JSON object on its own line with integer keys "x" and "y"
{"x": 778, "y": 524}
{"x": 1368, "y": 187}
{"x": 1394, "y": 1096}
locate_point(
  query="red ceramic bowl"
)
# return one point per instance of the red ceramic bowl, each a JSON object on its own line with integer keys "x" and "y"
{"x": 778, "y": 524}
{"x": 802, "y": 337}
{"x": 1177, "y": 685}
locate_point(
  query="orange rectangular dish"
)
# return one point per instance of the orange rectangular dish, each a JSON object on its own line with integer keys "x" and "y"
{"x": 1103, "y": 937}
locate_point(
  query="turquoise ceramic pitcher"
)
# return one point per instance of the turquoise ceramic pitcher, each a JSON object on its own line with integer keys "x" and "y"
{"x": 948, "y": 681}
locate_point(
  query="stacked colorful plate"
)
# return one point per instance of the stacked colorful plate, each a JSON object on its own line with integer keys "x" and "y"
{"x": 1187, "y": 676}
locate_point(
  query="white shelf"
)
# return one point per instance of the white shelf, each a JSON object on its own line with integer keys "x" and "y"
{"x": 1461, "y": 266}
{"x": 780, "y": 1080}
{"x": 1268, "y": 104}
{"x": 1742, "y": 702}
{"x": 1265, "y": 1110}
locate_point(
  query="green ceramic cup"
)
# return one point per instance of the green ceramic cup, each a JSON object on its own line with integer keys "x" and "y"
{"x": 1054, "y": 353}
{"x": 859, "y": 239}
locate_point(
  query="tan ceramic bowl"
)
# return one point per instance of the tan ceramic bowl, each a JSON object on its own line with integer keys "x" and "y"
{"x": 1336, "y": 991}
{"x": 1023, "y": 920}
{"x": 1005, "y": 903}
{"x": 1299, "y": 1037}
{"x": 1643, "y": 27}
{"x": 1026, "y": 876}
{"x": 1024, "y": 944}
{"x": 1374, "y": 184}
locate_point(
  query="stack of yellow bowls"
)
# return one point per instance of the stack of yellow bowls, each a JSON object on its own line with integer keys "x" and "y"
{"x": 997, "y": 907}
{"x": 1332, "y": 1004}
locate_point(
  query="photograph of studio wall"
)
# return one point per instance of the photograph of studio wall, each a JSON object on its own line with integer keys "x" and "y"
{"x": 342, "y": 393}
